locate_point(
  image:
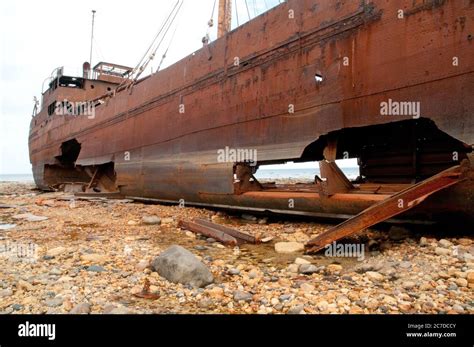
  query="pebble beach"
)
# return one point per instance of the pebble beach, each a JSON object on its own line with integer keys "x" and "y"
{"x": 63, "y": 254}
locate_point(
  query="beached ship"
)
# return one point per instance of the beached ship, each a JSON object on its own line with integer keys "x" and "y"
{"x": 390, "y": 83}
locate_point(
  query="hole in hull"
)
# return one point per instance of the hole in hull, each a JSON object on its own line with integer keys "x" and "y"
{"x": 65, "y": 175}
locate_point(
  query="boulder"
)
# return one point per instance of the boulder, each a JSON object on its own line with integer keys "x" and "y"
{"x": 178, "y": 265}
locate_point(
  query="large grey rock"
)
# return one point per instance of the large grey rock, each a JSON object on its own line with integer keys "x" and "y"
{"x": 178, "y": 265}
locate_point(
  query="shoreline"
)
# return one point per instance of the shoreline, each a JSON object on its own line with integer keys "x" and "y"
{"x": 97, "y": 253}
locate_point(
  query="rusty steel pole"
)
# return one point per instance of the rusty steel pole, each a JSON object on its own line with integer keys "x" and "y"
{"x": 225, "y": 17}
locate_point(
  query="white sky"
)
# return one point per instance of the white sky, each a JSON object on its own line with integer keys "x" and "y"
{"x": 38, "y": 36}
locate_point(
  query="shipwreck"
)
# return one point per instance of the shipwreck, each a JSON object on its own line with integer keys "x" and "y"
{"x": 390, "y": 83}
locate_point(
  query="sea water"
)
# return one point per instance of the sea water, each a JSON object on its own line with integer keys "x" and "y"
{"x": 303, "y": 174}
{"x": 16, "y": 178}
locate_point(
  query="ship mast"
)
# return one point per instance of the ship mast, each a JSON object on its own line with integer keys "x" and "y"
{"x": 92, "y": 37}
{"x": 225, "y": 17}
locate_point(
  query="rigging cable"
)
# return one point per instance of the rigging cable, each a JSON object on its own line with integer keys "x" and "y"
{"x": 98, "y": 50}
{"x": 152, "y": 56}
{"x": 167, "y": 49}
{"x": 141, "y": 62}
{"x": 236, "y": 12}
{"x": 248, "y": 12}
{"x": 210, "y": 24}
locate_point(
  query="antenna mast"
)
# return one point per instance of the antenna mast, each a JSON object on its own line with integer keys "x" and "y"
{"x": 225, "y": 17}
{"x": 92, "y": 37}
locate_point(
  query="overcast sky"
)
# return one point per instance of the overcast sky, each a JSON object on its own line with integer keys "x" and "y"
{"x": 39, "y": 36}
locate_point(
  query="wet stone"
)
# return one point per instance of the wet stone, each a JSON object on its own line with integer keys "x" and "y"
{"x": 17, "y": 307}
{"x": 55, "y": 302}
{"x": 95, "y": 268}
{"x": 405, "y": 265}
{"x": 296, "y": 309}
{"x": 249, "y": 218}
{"x": 234, "y": 272}
{"x": 5, "y": 293}
{"x": 445, "y": 243}
{"x": 308, "y": 269}
{"x": 83, "y": 308}
{"x": 285, "y": 297}
{"x": 242, "y": 296}
{"x": 151, "y": 220}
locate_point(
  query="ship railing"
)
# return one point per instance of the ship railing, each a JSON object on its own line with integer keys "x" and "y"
{"x": 58, "y": 72}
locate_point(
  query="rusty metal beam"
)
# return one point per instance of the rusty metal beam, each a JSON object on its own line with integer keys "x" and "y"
{"x": 225, "y": 17}
{"x": 209, "y": 232}
{"x": 93, "y": 178}
{"x": 336, "y": 181}
{"x": 390, "y": 207}
{"x": 240, "y": 236}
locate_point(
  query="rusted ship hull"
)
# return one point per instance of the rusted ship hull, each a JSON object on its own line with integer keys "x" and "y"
{"x": 334, "y": 63}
